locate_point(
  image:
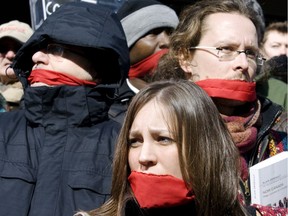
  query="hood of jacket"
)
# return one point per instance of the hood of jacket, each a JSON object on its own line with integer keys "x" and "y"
{"x": 81, "y": 24}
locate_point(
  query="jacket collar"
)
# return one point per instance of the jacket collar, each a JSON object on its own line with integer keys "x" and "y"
{"x": 269, "y": 112}
{"x": 65, "y": 105}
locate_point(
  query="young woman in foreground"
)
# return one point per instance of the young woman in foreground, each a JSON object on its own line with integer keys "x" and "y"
{"x": 174, "y": 157}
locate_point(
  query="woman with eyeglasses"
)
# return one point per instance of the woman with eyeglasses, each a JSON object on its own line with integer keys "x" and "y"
{"x": 56, "y": 153}
{"x": 216, "y": 45}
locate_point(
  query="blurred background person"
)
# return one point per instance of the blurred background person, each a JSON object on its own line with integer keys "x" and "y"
{"x": 272, "y": 81}
{"x": 13, "y": 35}
{"x": 275, "y": 40}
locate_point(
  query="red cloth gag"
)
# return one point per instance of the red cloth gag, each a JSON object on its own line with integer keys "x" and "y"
{"x": 146, "y": 66}
{"x": 54, "y": 78}
{"x": 158, "y": 191}
{"x": 229, "y": 89}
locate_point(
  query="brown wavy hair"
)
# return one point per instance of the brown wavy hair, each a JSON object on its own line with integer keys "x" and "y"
{"x": 191, "y": 27}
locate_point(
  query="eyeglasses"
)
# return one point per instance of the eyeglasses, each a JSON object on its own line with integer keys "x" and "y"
{"x": 59, "y": 50}
{"x": 228, "y": 54}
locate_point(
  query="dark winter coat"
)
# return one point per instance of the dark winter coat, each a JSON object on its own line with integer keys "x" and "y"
{"x": 132, "y": 209}
{"x": 272, "y": 132}
{"x": 56, "y": 153}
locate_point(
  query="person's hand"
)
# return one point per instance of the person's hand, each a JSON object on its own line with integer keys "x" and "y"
{"x": 7, "y": 74}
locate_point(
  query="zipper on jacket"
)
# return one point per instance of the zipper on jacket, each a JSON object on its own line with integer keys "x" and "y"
{"x": 246, "y": 191}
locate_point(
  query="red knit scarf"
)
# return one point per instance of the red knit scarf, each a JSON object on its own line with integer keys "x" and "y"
{"x": 244, "y": 133}
{"x": 146, "y": 66}
{"x": 158, "y": 191}
{"x": 54, "y": 78}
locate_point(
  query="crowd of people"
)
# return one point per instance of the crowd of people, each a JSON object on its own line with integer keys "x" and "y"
{"x": 141, "y": 111}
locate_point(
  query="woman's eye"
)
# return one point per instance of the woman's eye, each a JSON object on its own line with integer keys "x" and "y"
{"x": 165, "y": 140}
{"x": 134, "y": 142}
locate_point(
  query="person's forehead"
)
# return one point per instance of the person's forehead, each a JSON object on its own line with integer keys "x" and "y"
{"x": 232, "y": 26}
{"x": 274, "y": 34}
{"x": 227, "y": 21}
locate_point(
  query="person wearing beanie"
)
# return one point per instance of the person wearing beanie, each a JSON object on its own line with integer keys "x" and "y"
{"x": 147, "y": 25}
{"x": 13, "y": 35}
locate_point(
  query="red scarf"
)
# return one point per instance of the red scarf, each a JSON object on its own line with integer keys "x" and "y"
{"x": 229, "y": 89}
{"x": 158, "y": 191}
{"x": 146, "y": 66}
{"x": 54, "y": 78}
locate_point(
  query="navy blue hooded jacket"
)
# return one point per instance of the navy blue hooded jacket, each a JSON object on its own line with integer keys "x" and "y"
{"x": 56, "y": 153}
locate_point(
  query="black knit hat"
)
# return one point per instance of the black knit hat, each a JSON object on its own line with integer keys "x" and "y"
{"x": 138, "y": 17}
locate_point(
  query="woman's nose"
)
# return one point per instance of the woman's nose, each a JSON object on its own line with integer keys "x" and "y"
{"x": 147, "y": 157}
